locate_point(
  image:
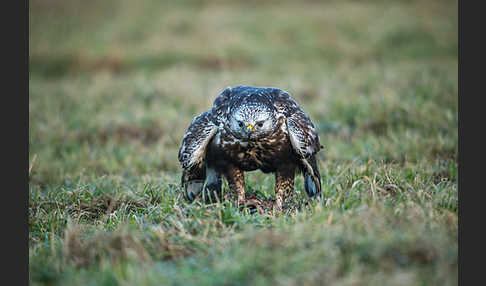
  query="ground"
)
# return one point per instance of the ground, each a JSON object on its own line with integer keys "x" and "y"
{"x": 113, "y": 85}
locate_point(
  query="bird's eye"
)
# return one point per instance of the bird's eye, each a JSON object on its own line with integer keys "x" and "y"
{"x": 260, "y": 124}
{"x": 240, "y": 124}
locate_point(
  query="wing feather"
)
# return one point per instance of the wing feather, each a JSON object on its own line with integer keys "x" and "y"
{"x": 196, "y": 138}
{"x": 302, "y": 132}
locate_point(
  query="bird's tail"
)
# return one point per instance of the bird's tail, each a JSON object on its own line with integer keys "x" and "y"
{"x": 192, "y": 184}
{"x": 312, "y": 177}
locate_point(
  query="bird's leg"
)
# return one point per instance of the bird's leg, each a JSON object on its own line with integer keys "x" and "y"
{"x": 236, "y": 182}
{"x": 284, "y": 185}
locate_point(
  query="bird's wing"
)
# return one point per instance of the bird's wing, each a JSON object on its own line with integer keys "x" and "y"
{"x": 303, "y": 137}
{"x": 196, "y": 138}
{"x": 302, "y": 132}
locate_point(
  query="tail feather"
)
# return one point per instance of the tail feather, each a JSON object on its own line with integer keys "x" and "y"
{"x": 312, "y": 177}
{"x": 192, "y": 182}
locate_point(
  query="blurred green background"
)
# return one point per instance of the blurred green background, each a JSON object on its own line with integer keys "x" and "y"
{"x": 113, "y": 85}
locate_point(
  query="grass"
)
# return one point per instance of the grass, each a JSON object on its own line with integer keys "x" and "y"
{"x": 114, "y": 85}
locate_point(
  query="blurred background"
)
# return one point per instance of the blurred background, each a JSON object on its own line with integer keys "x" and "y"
{"x": 114, "y": 84}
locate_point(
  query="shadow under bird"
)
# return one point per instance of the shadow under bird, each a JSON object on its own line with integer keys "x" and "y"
{"x": 250, "y": 128}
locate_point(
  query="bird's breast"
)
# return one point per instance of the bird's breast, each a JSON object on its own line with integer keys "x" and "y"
{"x": 265, "y": 153}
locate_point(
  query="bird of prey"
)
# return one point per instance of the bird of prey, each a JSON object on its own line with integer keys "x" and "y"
{"x": 250, "y": 128}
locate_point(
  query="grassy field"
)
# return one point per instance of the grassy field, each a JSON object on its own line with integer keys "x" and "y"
{"x": 114, "y": 84}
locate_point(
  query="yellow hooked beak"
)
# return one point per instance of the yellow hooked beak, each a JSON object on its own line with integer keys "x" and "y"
{"x": 249, "y": 128}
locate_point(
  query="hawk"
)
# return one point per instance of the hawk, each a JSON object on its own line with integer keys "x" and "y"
{"x": 250, "y": 128}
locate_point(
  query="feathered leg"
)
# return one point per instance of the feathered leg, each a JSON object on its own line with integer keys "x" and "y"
{"x": 284, "y": 185}
{"x": 236, "y": 182}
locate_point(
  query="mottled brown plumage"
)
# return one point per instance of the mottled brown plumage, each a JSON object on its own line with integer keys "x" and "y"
{"x": 250, "y": 128}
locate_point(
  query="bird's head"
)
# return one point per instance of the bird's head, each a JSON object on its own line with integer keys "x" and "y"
{"x": 252, "y": 120}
